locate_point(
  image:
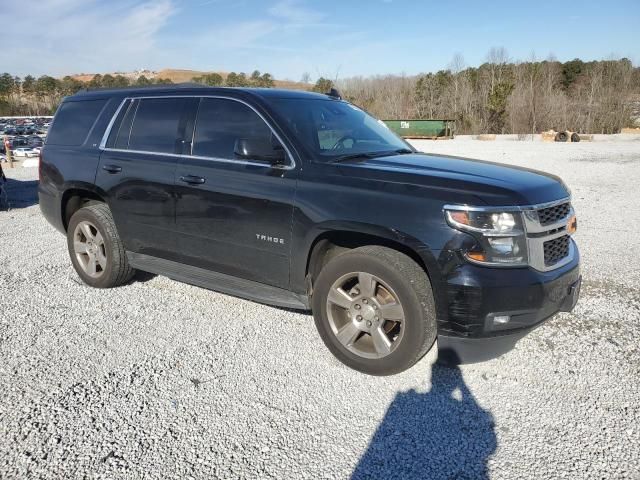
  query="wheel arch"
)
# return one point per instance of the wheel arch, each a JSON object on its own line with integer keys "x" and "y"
{"x": 76, "y": 196}
{"x": 332, "y": 239}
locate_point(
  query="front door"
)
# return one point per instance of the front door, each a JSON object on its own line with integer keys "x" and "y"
{"x": 233, "y": 215}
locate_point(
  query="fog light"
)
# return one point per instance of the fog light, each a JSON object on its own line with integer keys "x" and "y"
{"x": 501, "y": 319}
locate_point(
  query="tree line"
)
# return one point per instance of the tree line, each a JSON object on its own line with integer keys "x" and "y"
{"x": 499, "y": 96}
{"x": 41, "y": 96}
{"x": 233, "y": 79}
{"x": 502, "y": 96}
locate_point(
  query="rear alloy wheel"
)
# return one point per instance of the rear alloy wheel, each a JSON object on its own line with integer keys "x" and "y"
{"x": 96, "y": 251}
{"x": 374, "y": 310}
{"x": 89, "y": 249}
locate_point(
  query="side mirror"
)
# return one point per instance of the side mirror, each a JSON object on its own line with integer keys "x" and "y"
{"x": 257, "y": 149}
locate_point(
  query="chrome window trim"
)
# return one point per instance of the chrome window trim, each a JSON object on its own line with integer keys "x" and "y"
{"x": 535, "y": 244}
{"x": 197, "y": 157}
{"x": 290, "y": 166}
{"x": 107, "y": 132}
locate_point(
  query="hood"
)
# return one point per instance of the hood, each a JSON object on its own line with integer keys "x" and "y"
{"x": 489, "y": 182}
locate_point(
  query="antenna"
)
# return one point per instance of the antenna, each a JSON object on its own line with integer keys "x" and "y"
{"x": 334, "y": 93}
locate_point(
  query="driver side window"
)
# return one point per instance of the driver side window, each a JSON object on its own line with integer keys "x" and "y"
{"x": 221, "y": 122}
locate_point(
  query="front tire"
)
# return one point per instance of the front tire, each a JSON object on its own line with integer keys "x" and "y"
{"x": 96, "y": 251}
{"x": 374, "y": 309}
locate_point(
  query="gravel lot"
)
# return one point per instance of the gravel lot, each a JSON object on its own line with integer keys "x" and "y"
{"x": 159, "y": 379}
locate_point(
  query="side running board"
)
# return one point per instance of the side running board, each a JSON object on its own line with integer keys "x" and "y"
{"x": 219, "y": 282}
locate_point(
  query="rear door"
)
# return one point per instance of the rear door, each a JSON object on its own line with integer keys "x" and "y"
{"x": 233, "y": 215}
{"x": 137, "y": 170}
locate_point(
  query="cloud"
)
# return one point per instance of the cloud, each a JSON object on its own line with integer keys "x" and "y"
{"x": 74, "y": 36}
{"x": 293, "y": 13}
{"x": 284, "y": 19}
{"x": 284, "y": 37}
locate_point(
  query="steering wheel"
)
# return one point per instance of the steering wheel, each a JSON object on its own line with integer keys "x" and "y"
{"x": 340, "y": 143}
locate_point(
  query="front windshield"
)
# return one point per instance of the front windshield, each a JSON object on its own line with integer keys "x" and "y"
{"x": 332, "y": 129}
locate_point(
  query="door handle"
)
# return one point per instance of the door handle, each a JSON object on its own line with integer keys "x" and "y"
{"x": 112, "y": 168}
{"x": 192, "y": 179}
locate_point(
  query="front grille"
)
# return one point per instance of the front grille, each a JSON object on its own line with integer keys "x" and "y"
{"x": 555, "y": 250}
{"x": 547, "y": 216}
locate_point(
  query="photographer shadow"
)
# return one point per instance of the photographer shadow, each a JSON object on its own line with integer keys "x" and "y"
{"x": 440, "y": 434}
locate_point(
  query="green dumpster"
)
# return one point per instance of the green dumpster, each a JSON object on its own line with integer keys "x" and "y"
{"x": 422, "y": 128}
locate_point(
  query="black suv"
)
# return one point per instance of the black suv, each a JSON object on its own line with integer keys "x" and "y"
{"x": 304, "y": 201}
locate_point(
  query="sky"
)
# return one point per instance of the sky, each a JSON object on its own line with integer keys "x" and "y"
{"x": 331, "y": 38}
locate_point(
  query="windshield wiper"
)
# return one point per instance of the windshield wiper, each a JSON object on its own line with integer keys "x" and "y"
{"x": 352, "y": 156}
{"x": 398, "y": 151}
{"x": 367, "y": 155}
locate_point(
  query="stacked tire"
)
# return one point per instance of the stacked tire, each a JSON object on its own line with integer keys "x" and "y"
{"x": 566, "y": 136}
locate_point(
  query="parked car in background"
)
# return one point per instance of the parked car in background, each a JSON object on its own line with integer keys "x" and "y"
{"x": 35, "y": 141}
{"x": 25, "y": 152}
{"x": 19, "y": 141}
{"x": 10, "y": 131}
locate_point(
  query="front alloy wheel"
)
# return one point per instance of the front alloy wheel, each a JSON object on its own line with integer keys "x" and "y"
{"x": 365, "y": 315}
{"x": 374, "y": 309}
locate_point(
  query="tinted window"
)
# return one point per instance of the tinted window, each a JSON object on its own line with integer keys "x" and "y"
{"x": 331, "y": 128}
{"x": 121, "y": 127}
{"x": 74, "y": 121}
{"x": 221, "y": 122}
{"x": 119, "y": 137}
{"x": 158, "y": 124}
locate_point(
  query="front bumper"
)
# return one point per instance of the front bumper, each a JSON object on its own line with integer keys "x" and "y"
{"x": 476, "y": 295}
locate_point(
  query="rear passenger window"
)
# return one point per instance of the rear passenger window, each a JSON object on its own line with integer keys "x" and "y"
{"x": 158, "y": 125}
{"x": 121, "y": 129}
{"x": 221, "y": 122}
{"x": 73, "y": 122}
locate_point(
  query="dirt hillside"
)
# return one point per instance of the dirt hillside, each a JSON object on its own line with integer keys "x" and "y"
{"x": 179, "y": 76}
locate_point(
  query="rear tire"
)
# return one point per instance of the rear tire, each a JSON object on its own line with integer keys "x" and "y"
{"x": 96, "y": 251}
{"x": 562, "y": 137}
{"x": 374, "y": 309}
{"x": 575, "y": 137}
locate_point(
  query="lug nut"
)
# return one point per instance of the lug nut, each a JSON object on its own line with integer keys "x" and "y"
{"x": 365, "y": 301}
{"x": 359, "y": 318}
{"x": 357, "y": 306}
{"x": 376, "y": 319}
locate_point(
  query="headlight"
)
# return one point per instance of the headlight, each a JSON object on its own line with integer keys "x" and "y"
{"x": 500, "y": 235}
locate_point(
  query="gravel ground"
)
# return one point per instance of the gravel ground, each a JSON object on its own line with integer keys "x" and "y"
{"x": 159, "y": 379}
